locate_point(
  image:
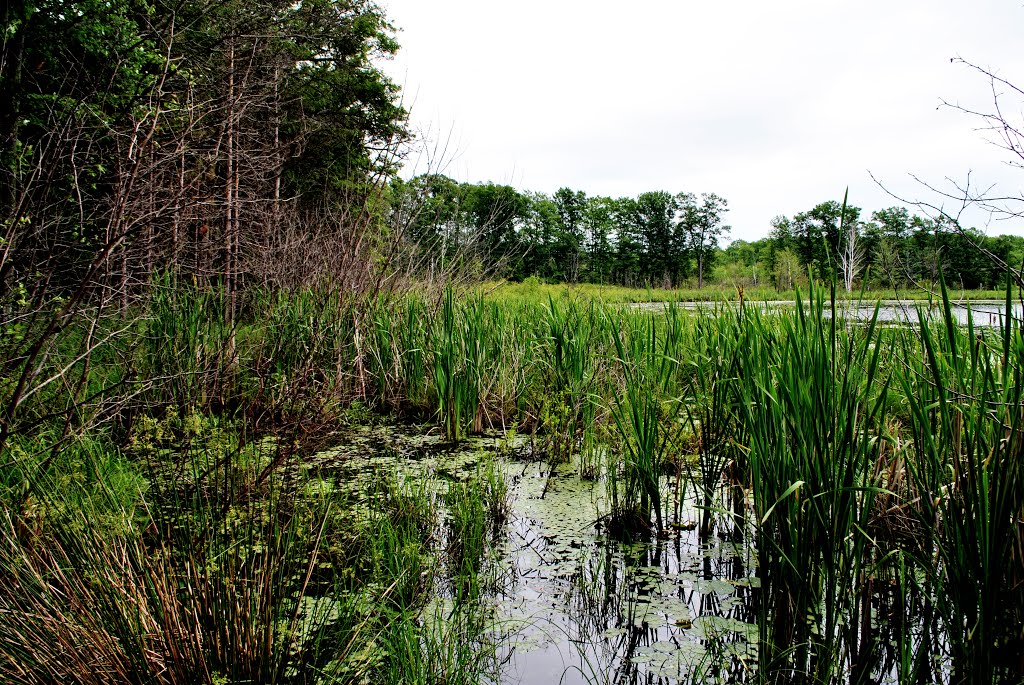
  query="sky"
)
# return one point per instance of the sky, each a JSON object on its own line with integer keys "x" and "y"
{"x": 775, "y": 106}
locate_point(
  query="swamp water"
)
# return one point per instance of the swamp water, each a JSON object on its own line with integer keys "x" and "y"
{"x": 571, "y": 605}
{"x": 983, "y": 313}
{"x": 593, "y": 610}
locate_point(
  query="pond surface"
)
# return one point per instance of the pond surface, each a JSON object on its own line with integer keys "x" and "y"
{"x": 985, "y": 313}
{"x": 581, "y": 608}
{"x": 574, "y": 606}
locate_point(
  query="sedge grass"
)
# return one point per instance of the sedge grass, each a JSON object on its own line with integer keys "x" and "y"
{"x": 873, "y": 456}
{"x": 965, "y": 397}
{"x": 810, "y": 405}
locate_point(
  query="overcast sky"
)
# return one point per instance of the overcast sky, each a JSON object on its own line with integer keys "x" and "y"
{"x": 775, "y": 106}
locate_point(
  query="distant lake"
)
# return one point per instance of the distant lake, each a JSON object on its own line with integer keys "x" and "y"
{"x": 986, "y": 313}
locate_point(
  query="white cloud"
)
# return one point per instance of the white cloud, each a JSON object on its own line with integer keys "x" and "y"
{"x": 776, "y": 106}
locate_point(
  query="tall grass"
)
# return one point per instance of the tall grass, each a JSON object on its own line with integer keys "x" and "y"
{"x": 645, "y": 412}
{"x": 185, "y": 351}
{"x": 883, "y": 469}
{"x": 714, "y": 368}
{"x": 568, "y": 405}
{"x": 458, "y": 357}
{"x": 812, "y": 398}
{"x": 174, "y": 601}
{"x": 965, "y": 403}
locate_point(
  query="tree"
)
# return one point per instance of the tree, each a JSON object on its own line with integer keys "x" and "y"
{"x": 702, "y": 225}
{"x": 428, "y": 210}
{"x": 572, "y": 213}
{"x": 540, "y": 236}
{"x": 787, "y": 269}
{"x": 746, "y": 263}
{"x": 294, "y": 119}
{"x": 494, "y": 213}
{"x": 950, "y": 204}
{"x": 653, "y": 219}
{"x": 600, "y": 222}
{"x": 138, "y": 137}
{"x": 852, "y": 256}
{"x": 851, "y": 250}
{"x": 817, "y": 234}
{"x": 628, "y": 261}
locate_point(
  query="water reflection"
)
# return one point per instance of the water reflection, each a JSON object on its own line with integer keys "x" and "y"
{"x": 985, "y": 314}
{"x": 599, "y": 611}
{"x": 573, "y": 606}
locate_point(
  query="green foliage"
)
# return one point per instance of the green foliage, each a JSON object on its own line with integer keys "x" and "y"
{"x": 459, "y": 355}
{"x": 646, "y": 413}
{"x": 812, "y": 398}
{"x": 716, "y": 363}
{"x": 568, "y": 405}
{"x": 674, "y": 241}
{"x": 964, "y": 396}
{"x": 45, "y": 485}
{"x": 195, "y": 536}
{"x": 210, "y": 578}
{"x": 186, "y": 340}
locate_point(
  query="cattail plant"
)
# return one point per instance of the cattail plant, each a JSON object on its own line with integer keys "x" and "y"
{"x": 811, "y": 402}
{"x": 965, "y": 396}
{"x": 646, "y": 419}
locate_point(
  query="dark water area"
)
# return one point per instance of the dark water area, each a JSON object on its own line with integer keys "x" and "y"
{"x": 589, "y": 609}
{"x": 571, "y": 605}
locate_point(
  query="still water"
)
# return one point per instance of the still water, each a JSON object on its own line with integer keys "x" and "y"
{"x": 985, "y": 313}
{"x": 573, "y": 606}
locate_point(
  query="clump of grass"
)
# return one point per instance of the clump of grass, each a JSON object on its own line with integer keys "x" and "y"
{"x": 710, "y": 404}
{"x": 568, "y": 406}
{"x": 965, "y": 397}
{"x": 185, "y": 343}
{"x": 44, "y": 479}
{"x": 167, "y": 603}
{"x": 443, "y": 645}
{"x": 300, "y": 356}
{"x": 458, "y": 357}
{"x": 211, "y": 579}
{"x": 811, "y": 399}
{"x": 402, "y": 529}
{"x": 645, "y": 414}
{"x": 476, "y": 509}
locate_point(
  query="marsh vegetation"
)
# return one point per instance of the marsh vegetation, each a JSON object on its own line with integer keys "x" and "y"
{"x": 452, "y": 488}
{"x": 264, "y": 419}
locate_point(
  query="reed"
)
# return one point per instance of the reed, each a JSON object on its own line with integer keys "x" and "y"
{"x": 811, "y": 398}
{"x": 204, "y": 580}
{"x": 165, "y": 603}
{"x": 458, "y": 357}
{"x": 476, "y": 508}
{"x": 567, "y": 408}
{"x": 710, "y": 404}
{"x": 189, "y": 541}
{"x": 403, "y": 535}
{"x": 299, "y": 356}
{"x": 185, "y": 347}
{"x": 965, "y": 399}
{"x": 645, "y": 416}
{"x": 412, "y": 341}
{"x": 443, "y": 645}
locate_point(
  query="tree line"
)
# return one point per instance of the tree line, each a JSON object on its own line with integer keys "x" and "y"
{"x": 891, "y": 248}
{"x": 654, "y": 238}
{"x": 220, "y": 145}
{"x": 235, "y": 141}
{"x": 667, "y": 240}
{"x": 256, "y": 143}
